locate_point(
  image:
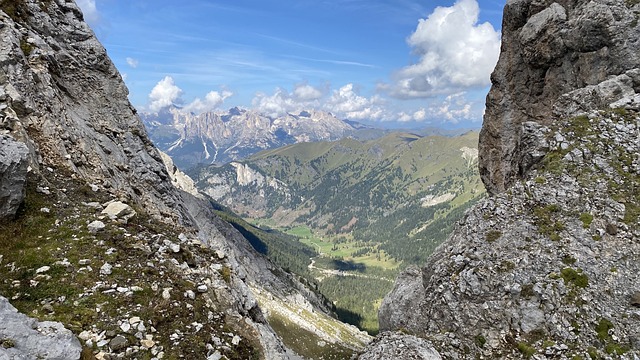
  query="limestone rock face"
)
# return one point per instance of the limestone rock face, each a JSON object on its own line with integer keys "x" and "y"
{"x": 557, "y": 58}
{"x": 61, "y": 95}
{"x": 13, "y": 175}
{"x": 555, "y": 259}
{"x": 400, "y": 347}
{"x": 548, "y": 266}
{"x": 25, "y": 338}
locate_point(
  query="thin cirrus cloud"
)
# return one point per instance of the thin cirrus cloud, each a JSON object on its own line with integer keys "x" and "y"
{"x": 455, "y": 53}
{"x": 132, "y": 62}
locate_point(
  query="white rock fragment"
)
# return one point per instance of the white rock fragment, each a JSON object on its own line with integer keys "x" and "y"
{"x": 106, "y": 269}
{"x": 236, "y": 340}
{"x": 119, "y": 210}
{"x": 96, "y": 226}
{"x": 147, "y": 344}
{"x": 215, "y": 356}
{"x": 125, "y": 326}
{"x": 189, "y": 294}
{"x": 166, "y": 293}
{"x": 43, "y": 269}
{"x": 202, "y": 288}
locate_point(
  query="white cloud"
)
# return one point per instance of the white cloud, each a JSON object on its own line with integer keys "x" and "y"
{"x": 303, "y": 97}
{"x": 132, "y": 62}
{"x": 346, "y": 102}
{"x": 307, "y": 92}
{"x": 420, "y": 115}
{"x": 454, "y": 108}
{"x": 211, "y": 101}
{"x": 164, "y": 94}
{"x": 280, "y": 103}
{"x": 455, "y": 53}
{"x": 89, "y": 11}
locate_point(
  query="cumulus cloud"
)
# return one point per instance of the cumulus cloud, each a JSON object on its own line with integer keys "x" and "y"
{"x": 455, "y": 53}
{"x": 164, "y": 94}
{"x": 303, "y": 97}
{"x": 280, "y": 103}
{"x": 307, "y": 92}
{"x": 419, "y": 115}
{"x": 211, "y": 101}
{"x": 132, "y": 62}
{"x": 344, "y": 102}
{"x": 89, "y": 11}
{"x": 454, "y": 108}
{"x": 347, "y": 102}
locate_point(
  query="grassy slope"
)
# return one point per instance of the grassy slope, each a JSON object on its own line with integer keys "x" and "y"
{"x": 74, "y": 289}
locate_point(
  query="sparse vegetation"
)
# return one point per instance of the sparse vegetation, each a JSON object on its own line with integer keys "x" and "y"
{"x": 574, "y": 277}
{"x": 480, "y": 341}
{"x": 493, "y": 235}
{"x": 545, "y": 219}
{"x": 7, "y": 343}
{"x": 586, "y": 219}
{"x": 59, "y": 239}
{"x": 526, "y": 349}
{"x": 568, "y": 260}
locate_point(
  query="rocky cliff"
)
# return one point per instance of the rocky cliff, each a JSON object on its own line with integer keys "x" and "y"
{"x": 557, "y": 58}
{"x": 548, "y": 266}
{"x": 97, "y": 236}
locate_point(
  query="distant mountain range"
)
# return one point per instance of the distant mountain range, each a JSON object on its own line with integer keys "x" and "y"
{"x": 217, "y": 138}
{"x": 221, "y": 137}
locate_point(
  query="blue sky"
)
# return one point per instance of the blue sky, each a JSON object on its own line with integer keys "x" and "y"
{"x": 389, "y": 62}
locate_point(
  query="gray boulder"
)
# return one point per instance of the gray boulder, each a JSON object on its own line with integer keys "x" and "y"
{"x": 399, "y": 346}
{"x": 26, "y": 338}
{"x": 551, "y": 49}
{"x": 13, "y": 175}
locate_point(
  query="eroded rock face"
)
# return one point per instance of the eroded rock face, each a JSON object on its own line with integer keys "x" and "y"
{"x": 13, "y": 175}
{"x": 23, "y": 337}
{"x": 399, "y": 346}
{"x": 554, "y": 259}
{"x": 557, "y": 58}
{"x": 61, "y": 95}
{"x": 548, "y": 265}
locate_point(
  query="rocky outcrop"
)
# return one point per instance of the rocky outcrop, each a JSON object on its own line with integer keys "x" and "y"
{"x": 22, "y": 337}
{"x": 400, "y": 346}
{"x": 63, "y": 97}
{"x": 548, "y": 266}
{"x": 557, "y": 58}
{"x": 13, "y": 175}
